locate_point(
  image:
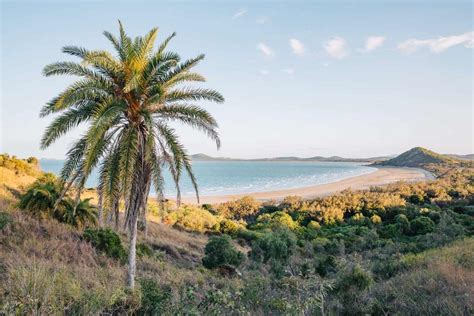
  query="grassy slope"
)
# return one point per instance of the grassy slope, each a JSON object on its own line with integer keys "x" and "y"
{"x": 446, "y": 274}
{"x": 11, "y": 183}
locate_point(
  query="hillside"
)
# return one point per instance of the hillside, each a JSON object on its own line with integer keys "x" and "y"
{"x": 416, "y": 157}
{"x": 16, "y": 174}
{"x": 356, "y": 252}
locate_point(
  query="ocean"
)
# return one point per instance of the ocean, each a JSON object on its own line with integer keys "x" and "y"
{"x": 234, "y": 177}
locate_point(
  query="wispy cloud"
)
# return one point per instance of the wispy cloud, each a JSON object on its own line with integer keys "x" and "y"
{"x": 264, "y": 72}
{"x": 437, "y": 45}
{"x": 288, "y": 71}
{"x": 262, "y": 20}
{"x": 238, "y": 14}
{"x": 266, "y": 50}
{"x": 296, "y": 46}
{"x": 373, "y": 42}
{"x": 336, "y": 48}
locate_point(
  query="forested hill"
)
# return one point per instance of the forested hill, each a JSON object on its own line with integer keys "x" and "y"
{"x": 416, "y": 157}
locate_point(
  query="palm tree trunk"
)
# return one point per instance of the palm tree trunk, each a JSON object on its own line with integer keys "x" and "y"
{"x": 145, "y": 201}
{"x": 135, "y": 204}
{"x": 100, "y": 209}
{"x": 132, "y": 254}
{"x": 66, "y": 187}
{"x": 116, "y": 215}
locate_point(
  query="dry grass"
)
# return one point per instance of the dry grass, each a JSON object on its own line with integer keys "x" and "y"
{"x": 440, "y": 284}
{"x": 12, "y": 183}
{"x": 47, "y": 269}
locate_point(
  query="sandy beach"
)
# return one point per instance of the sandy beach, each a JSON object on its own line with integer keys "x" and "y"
{"x": 380, "y": 177}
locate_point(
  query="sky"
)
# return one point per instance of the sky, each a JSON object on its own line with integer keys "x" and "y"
{"x": 300, "y": 78}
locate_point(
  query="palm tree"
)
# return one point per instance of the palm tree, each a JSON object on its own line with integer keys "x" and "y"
{"x": 79, "y": 215}
{"x": 40, "y": 198}
{"x": 128, "y": 101}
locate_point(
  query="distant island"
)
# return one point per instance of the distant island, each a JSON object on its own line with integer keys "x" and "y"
{"x": 204, "y": 157}
{"x": 417, "y": 151}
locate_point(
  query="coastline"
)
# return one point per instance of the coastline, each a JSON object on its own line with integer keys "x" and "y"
{"x": 382, "y": 176}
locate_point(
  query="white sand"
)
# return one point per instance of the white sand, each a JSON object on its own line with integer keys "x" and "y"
{"x": 380, "y": 177}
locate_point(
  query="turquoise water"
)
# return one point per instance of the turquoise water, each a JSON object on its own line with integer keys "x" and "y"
{"x": 232, "y": 177}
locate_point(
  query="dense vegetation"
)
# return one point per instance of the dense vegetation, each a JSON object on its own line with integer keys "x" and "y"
{"x": 406, "y": 248}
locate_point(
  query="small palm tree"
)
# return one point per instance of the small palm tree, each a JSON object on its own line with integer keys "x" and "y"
{"x": 128, "y": 101}
{"x": 80, "y": 215}
{"x": 40, "y": 198}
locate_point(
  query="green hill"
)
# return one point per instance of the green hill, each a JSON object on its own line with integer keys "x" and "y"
{"x": 416, "y": 157}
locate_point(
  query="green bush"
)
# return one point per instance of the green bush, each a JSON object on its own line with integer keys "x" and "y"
{"x": 325, "y": 266}
{"x": 276, "y": 220}
{"x": 156, "y": 299}
{"x": 390, "y": 231}
{"x": 229, "y": 227}
{"x": 248, "y": 235}
{"x": 417, "y": 199}
{"x": 106, "y": 241}
{"x": 314, "y": 225}
{"x": 144, "y": 250}
{"x": 278, "y": 246}
{"x": 220, "y": 251}
{"x": 422, "y": 225}
{"x": 354, "y": 279}
{"x": 403, "y": 223}
{"x": 5, "y": 219}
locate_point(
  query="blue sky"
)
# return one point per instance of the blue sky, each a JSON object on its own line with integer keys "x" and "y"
{"x": 353, "y": 79}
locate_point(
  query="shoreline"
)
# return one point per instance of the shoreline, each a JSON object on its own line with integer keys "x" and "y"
{"x": 382, "y": 176}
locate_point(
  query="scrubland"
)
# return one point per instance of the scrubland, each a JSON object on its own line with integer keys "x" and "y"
{"x": 406, "y": 248}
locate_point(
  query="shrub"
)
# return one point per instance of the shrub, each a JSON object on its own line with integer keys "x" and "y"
{"x": 191, "y": 218}
{"x": 239, "y": 209}
{"x": 403, "y": 223}
{"x": 278, "y": 246}
{"x": 326, "y": 266}
{"x": 422, "y": 225}
{"x": 319, "y": 244}
{"x": 375, "y": 219}
{"x": 274, "y": 221}
{"x": 358, "y": 217}
{"x": 248, "y": 235}
{"x": 220, "y": 251}
{"x": 416, "y": 199}
{"x": 229, "y": 227}
{"x": 5, "y": 219}
{"x": 144, "y": 250}
{"x": 292, "y": 203}
{"x": 356, "y": 278}
{"x": 106, "y": 241}
{"x": 314, "y": 225}
{"x": 156, "y": 299}
{"x": 390, "y": 231}
{"x": 20, "y": 166}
